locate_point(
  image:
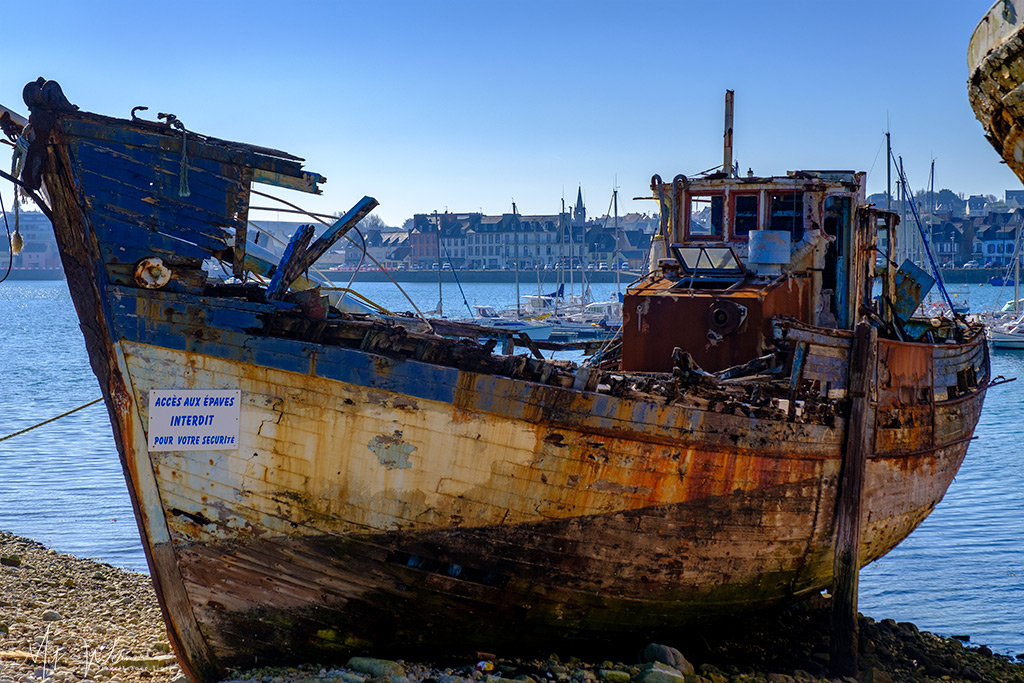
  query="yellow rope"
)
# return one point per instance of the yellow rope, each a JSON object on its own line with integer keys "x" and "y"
{"x": 44, "y": 422}
{"x": 369, "y": 302}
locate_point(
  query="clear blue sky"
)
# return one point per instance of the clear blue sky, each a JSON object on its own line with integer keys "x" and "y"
{"x": 428, "y": 105}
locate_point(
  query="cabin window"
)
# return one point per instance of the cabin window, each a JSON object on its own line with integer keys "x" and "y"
{"x": 838, "y": 217}
{"x": 706, "y": 216}
{"x": 786, "y": 214}
{"x": 707, "y": 267}
{"x": 745, "y": 216}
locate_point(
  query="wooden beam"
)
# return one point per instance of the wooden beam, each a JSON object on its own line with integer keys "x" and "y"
{"x": 304, "y": 182}
{"x": 524, "y": 340}
{"x": 849, "y": 513}
{"x": 298, "y": 258}
{"x": 15, "y": 116}
{"x": 241, "y": 200}
{"x": 291, "y": 263}
{"x": 341, "y": 226}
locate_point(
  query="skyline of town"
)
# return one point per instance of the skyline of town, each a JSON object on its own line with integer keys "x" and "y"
{"x": 961, "y": 230}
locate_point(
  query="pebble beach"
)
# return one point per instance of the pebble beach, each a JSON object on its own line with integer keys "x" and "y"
{"x": 64, "y": 619}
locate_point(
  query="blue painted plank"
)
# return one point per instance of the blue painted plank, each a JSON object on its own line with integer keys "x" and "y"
{"x": 234, "y": 319}
{"x": 170, "y": 140}
{"x": 157, "y": 172}
{"x": 223, "y": 326}
{"x": 134, "y": 225}
{"x": 278, "y": 286}
{"x": 192, "y": 223}
{"x": 413, "y": 378}
{"x": 127, "y": 244}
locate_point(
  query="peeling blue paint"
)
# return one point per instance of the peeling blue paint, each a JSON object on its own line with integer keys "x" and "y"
{"x": 392, "y": 452}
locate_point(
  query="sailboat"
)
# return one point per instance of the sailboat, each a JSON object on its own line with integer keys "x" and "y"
{"x": 491, "y": 316}
{"x": 1005, "y": 328}
{"x": 584, "y": 318}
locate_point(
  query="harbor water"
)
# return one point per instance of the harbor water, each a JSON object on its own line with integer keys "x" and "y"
{"x": 960, "y": 573}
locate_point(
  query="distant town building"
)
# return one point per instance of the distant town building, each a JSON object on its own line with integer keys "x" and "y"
{"x": 1014, "y": 197}
{"x": 40, "y": 246}
{"x": 568, "y": 239}
{"x": 977, "y": 206}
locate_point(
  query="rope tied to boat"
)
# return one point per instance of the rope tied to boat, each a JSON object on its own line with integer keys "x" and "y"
{"x": 173, "y": 122}
{"x": 17, "y": 161}
{"x": 52, "y": 419}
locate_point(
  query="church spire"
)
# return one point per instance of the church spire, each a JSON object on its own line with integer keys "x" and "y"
{"x": 579, "y": 214}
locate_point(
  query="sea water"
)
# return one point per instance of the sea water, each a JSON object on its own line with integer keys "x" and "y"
{"x": 960, "y": 573}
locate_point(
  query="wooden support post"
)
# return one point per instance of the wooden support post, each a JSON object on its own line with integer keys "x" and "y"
{"x": 240, "y": 246}
{"x": 846, "y": 562}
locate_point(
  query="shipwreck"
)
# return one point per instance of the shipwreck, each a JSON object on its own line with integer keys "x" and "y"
{"x": 312, "y": 482}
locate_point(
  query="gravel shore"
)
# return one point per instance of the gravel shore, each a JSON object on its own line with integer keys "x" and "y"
{"x": 65, "y": 619}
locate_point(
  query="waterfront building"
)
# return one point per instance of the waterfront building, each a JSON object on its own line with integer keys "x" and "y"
{"x": 40, "y": 246}
{"x": 997, "y": 235}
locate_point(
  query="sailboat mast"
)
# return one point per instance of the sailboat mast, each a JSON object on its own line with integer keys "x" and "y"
{"x": 440, "y": 290}
{"x": 515, "y": 233}
{"x": 931, "y": 190}
{"x": 727, "y": 139}
{"x": 615, "y": 203}
{"x": 1016, "y": 275}
{"x": 904, "y": 247}
{"x": 888, "y": 172}
{"x": 931, "y": 205}
{"x": 572, "y": 259}
{"x": 536, "y": 260}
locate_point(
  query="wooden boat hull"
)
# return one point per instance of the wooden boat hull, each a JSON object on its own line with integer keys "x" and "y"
{"x": 391, "y": 490}
{"x": 995, "y": 58}
{"x": 376, "y": 504}
{"x": 354, "y": 517}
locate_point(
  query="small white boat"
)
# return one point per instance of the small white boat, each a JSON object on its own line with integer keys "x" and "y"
{"x": 489, "y": 316}
{"x": 608, "y": 312}
{"x": 1007, "y": 335}
{"x": 598, "y": 320}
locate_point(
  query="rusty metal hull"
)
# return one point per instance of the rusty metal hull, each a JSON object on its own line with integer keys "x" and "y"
{"x": 392, "y": 489}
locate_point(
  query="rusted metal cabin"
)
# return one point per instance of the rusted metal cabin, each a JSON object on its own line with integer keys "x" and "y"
{"x": 745, "y": 251}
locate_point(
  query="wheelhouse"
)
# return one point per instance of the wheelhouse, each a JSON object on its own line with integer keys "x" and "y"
{"x": 737, "y": 253}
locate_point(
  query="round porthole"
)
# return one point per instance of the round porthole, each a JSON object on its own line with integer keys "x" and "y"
{"x": 724, "y": 316}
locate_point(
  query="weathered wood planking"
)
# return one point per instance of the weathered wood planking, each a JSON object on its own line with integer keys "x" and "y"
{"x": 161, "y": 137}
{"x": 286, "y": 509}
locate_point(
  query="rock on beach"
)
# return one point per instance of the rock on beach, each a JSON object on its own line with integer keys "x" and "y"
{"x": 65, "y": 620}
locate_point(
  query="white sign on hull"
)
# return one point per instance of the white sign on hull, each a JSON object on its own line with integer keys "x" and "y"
{"x": 194, "y": 419}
